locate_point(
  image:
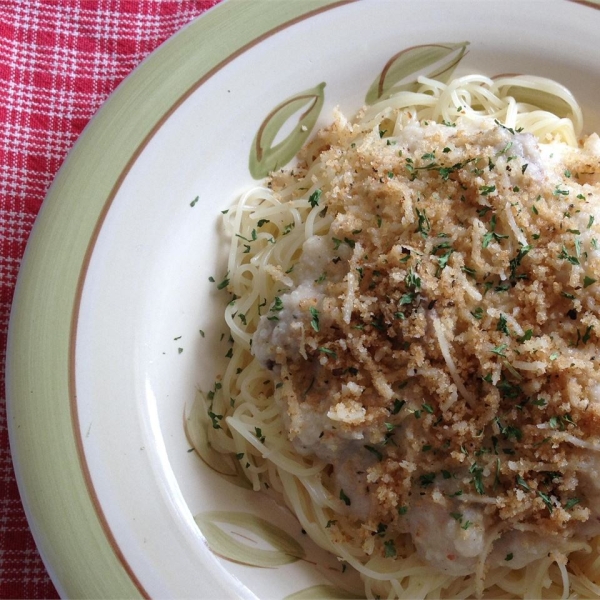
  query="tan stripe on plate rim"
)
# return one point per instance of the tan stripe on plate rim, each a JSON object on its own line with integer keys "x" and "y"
{"x": 86, "y": 262}
{"x": 590, "y": 4}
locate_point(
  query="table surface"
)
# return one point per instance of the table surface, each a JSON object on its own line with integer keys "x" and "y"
{"x": 59, "y": 61}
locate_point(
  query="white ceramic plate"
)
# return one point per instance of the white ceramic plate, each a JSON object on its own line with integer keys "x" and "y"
{"x": 105, "y": 352}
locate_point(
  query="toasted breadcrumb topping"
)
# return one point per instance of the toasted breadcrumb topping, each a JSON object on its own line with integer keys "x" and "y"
{"x": 444, "y": 361}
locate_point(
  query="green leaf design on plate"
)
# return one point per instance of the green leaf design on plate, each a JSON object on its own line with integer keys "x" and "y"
{"x": 243, "y": 548}
{"x": 266, "y": 157}
{"x": 527, "y": 93}
{"x": 322, "y": 592}
{"x": 401, "y": 71}
{"x": 196, "y": 426}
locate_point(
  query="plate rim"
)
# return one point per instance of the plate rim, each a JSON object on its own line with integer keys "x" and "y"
{"x": 43, "y": 325}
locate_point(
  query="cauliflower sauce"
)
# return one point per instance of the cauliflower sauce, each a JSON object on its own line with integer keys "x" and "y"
{"x": 438, "y": 347}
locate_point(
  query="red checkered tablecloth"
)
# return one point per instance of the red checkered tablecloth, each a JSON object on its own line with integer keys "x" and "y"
{"x": 59, "y": 60}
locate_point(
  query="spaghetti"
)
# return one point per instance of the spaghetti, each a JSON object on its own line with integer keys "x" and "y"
{"x": 413, "y": 320}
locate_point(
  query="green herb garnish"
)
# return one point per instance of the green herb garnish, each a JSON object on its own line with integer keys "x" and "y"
{"x": 314, "y": 323}
{"x": 314, "y": 198}
{"x": 344, "y": 498}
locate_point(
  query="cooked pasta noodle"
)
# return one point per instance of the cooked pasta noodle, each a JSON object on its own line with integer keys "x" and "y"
{"x": 413, "y": 316}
